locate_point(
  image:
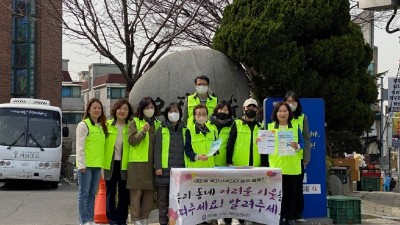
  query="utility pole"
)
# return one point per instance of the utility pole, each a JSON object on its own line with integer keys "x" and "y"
{"x": 380, "y": 146}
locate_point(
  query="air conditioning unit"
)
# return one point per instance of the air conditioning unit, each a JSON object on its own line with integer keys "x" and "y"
{"x": 378, "y": 5}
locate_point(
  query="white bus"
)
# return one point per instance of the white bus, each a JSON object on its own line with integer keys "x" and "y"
{"x": 31, "y": 140}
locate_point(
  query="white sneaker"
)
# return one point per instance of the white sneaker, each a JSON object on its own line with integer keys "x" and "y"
{"x": 235, "y": 222}
{"x": 221, "y": 222}
{"x": 246, "y": 222}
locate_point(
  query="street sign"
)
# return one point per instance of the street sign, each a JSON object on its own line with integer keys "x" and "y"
{"x": 394, "y": 94}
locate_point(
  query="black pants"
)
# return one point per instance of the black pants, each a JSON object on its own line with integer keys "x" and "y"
{"x": 117, "y": 208}
{"x": 299, "y": 193}
{"x": 163, "y": 204}
{"x": 288, "y": 207}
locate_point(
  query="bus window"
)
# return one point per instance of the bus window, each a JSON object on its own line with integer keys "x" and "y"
{"x": 11, "y": 129}
{"x": 45, "y": 132}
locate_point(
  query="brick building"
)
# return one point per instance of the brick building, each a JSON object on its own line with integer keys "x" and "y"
{"x": 30, "y": 50}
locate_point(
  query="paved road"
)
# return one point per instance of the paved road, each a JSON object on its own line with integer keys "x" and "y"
{"x": 30, "y": 203}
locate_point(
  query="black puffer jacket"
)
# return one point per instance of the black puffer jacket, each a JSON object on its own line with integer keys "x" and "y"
{"x": 176, "y": 151}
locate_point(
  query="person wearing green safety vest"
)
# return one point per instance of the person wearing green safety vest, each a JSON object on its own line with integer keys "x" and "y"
{"x": 287, "y": 158}
{"x": 140, "y": 176}
{"x": 90, "y": 143}
{"x": 242, "y": 149}
{"x": 301, "y": 119}
{"x": 117, "y": 148}
{"x": 200, "y": 97}
{"x": 222, "y": 119}
{"x": 168, "y": 153}
{"x": 198, "y": 140}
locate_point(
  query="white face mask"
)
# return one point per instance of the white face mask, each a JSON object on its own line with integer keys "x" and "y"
{"x": 201, "y": 120}
{"x": 173, "y": 116}
{"x": 148, "y": 113}
{"x": 202, "y": 89}
{"x": 293, "y": 106}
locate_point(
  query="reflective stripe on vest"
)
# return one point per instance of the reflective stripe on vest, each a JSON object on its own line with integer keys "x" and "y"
{"x": 201, "y": 144}
{"x": 94, "y": 145}
{"x": 290, "y": 165}
{"x": 110, "y": 145}
{"x": 193, "y": 101}
{"x": 241, "y": 150}
{"x": 140, "y": 152}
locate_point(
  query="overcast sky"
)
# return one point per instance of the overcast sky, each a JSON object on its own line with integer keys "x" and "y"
{"x": 388, "y": 54}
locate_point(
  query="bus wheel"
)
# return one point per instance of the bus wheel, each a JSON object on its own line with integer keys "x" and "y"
{"x": 53, "y": 184}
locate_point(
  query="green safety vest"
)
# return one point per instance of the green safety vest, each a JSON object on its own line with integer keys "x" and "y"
{"x": 241, "y": 151}
{"x": 94, "y": 145}
{"x": 290, "y": 165}
{"x": 220, "y": 158}
{"x": 140, "y": 152}
{"x": 193, "y": 101}
{"x": 110, "y": 143}
{"x": 201, "y": 144}
{"x": 165, "y": 145}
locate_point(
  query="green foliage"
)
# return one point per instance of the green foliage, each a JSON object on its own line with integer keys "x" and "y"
{"x": 309, "y": 46}
{"x": 344, "y": 142}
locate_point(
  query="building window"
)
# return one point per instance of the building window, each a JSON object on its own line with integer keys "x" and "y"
{"x": 97, "y": 94}
{"x": 23, "y": 48}
{"x": 71, "y": 92}
{"x": 73, "y": 118}
{"x": 115, "y": 93}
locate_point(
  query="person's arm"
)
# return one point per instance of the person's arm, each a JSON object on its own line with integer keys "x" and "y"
{"x": 307, "y": 141}
{"x": 188, "y": 147}
{"x": 158, "y": 149}
{"x": 81, "y": 135}
{"x": 135, "y": 136}
{"x": 231, "y": 143}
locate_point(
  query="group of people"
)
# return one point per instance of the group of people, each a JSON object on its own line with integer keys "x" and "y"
{"x": 134, "y": 152}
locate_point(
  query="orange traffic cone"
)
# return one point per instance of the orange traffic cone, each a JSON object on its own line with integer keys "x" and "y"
{"x": 100, "y": 215}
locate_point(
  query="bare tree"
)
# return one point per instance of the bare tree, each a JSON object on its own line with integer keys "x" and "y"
{"x": 205, "y": 23}
{"x": 140, "y": 30}
{"x": 380, "y": 19}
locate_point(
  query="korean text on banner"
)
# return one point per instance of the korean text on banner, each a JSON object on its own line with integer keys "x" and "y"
{"x": 198, "y": 195}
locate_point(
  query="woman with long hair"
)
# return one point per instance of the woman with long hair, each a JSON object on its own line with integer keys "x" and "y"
{"x": 90, "y": 140}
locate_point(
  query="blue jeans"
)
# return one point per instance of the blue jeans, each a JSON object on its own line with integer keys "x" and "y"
{"x": 88, "y": 185}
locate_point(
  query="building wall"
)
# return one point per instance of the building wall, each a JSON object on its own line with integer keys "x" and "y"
{"x": 103, "y": 98}
{"x": 49, "y": 55}
{"x": 48, "y": 59}
{"x": 5, "y": 52}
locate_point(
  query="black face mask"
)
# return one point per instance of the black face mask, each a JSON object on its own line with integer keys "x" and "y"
{"x": 250, "y": 114}
{"x": 222, "y": 116}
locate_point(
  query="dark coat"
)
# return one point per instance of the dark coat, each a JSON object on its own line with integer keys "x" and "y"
{"x": 176, "y": 151}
